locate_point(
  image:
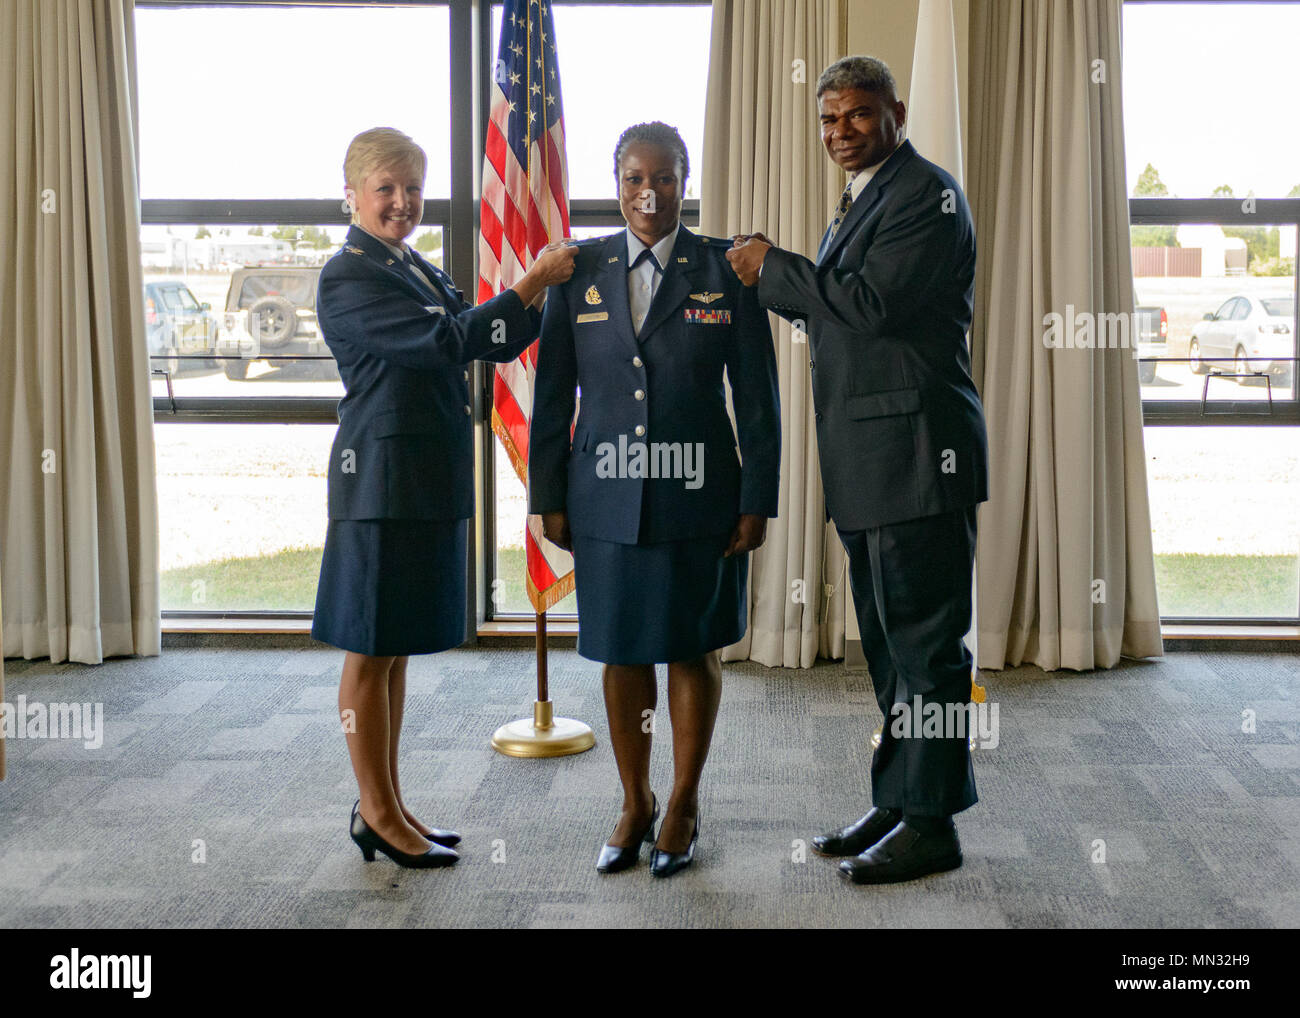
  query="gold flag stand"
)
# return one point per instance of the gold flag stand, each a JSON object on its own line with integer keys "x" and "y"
{"x": 543, "y": 734}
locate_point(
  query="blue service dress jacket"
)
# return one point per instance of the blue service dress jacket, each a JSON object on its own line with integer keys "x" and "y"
{"x": 653, "y": 455}
{"x": 886, "y": 307}
{"x": 404, "y": 447}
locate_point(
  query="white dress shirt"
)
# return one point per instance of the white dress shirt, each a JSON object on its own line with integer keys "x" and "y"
{"x": 643, "y": 281}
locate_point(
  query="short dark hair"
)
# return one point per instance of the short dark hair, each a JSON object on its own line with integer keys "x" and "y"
{"x": 654, "y": 133}
{"x": 867, "y": 73}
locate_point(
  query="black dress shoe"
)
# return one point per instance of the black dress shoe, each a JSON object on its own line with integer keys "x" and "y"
{"x": 904, "y": 854}
{"x": 448, "y": 839}
{"x": 612, "y": 859}
{"x": 369, "y": 842}
{"x": 665, "y": 864}
{"x": 859, "y": 835}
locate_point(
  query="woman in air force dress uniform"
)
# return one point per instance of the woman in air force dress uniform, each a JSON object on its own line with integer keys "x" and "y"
{"x": 648, "y": 491}
{"x": 400, "y": 475}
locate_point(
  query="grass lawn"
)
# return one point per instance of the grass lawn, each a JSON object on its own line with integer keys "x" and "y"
{"x": 1227, "y": 585}
{"x": 286, "y": 581}
{"x": 1198, "y": 585}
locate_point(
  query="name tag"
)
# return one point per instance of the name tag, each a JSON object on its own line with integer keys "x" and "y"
{"x": 705, "y": 316}
{"x": 594, "y": 316}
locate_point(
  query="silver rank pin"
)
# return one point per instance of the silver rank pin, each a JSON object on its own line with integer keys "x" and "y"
{"x": 433, "y": 309}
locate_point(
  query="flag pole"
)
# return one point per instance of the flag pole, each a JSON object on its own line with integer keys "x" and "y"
{"x": 543, "y": 734}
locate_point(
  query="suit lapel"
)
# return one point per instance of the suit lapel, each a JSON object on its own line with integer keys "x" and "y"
{"x": 676, "y": 284}
{"x": 441, "y": 290}
{"x": 610, "y": 280}
{"x": 867, "y": 200}
{"x": 384, "y": 259}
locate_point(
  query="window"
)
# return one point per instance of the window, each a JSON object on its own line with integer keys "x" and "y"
{"x": 1215, "y": 213}
{"x": 246, "y": 110}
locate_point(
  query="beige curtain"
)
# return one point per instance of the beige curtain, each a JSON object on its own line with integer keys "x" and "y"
{"x": 764, "y": 170}
{"x": 1066, "y": 576}
{"x": 78, "y": 505}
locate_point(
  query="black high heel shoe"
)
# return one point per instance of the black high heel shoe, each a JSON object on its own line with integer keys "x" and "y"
{"x": 665, "y": 864}
{"x": 369, "y": 842}
{"x": 448, "y": 839}
{"x": 613, "y": 859}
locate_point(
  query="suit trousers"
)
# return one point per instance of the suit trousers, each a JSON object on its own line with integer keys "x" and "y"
{"x": 912, "y": 586}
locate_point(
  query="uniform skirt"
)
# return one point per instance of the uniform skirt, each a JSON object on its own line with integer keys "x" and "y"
{"x": 652, "y": 603}
{"x": 392, "y": 587}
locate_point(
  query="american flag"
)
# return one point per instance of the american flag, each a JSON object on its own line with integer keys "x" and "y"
{"x": 525, "y": 206}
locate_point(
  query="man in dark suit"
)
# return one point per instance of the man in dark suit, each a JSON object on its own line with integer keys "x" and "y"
{"x": 903, "y": 453}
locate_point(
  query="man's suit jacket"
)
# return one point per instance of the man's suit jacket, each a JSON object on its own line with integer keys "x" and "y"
{"x": 404, "y": 447}
{"x": 663, "y": 388}
{"x": 886, "y": 307}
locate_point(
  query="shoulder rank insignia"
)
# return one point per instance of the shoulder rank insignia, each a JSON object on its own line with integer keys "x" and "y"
{"x": 593, "y": 295}
{"x": 353, "y": 249}
{"x": 705, "y": 298}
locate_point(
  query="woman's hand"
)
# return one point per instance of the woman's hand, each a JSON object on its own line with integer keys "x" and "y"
{"x": 748, "y": 535}
{"x": 554, "y": 264}
{"x": 555, "y": 528}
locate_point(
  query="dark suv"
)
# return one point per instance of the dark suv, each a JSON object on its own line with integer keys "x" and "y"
{"x": 271, "y": 311}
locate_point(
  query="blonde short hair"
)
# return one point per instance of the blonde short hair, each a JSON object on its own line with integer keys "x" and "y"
{"x": 377, "y": 149}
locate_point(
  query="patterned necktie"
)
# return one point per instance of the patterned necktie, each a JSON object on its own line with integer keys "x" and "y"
{"x": 841, "y": 210}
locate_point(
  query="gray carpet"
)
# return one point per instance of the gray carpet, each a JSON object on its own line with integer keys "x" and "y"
{"x": 239, "y": 748}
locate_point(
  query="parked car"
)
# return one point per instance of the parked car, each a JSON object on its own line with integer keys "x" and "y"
{"x": 271, "y": 311}
{"x": 176, "y": 323}
{"x": 1255, "y": 332}
{"x": 1152, "y": 339}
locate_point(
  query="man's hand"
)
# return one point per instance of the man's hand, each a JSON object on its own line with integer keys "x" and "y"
{"x": 555, "y": 528}
{"x": 746, "y": 257}
{"x": 748, "y": 535}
